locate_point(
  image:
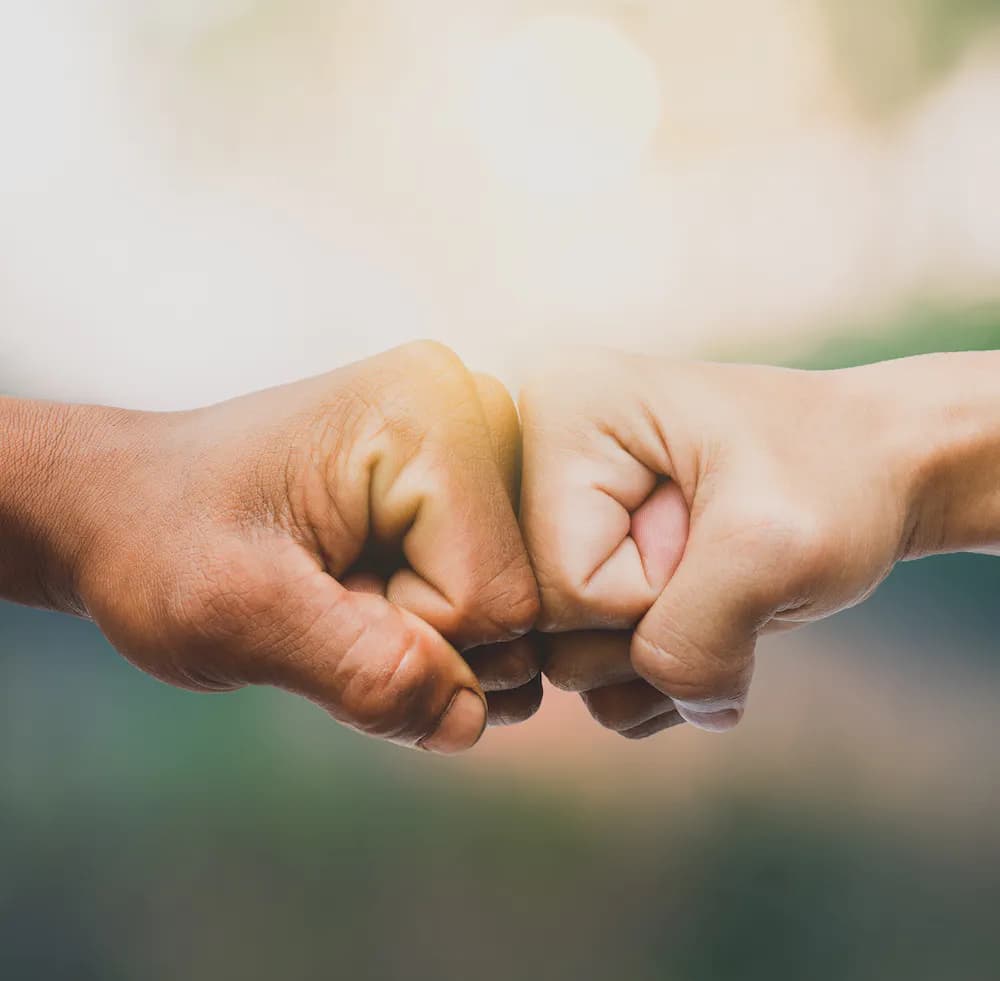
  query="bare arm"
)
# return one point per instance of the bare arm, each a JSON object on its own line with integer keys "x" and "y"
{"x": 704, "y": 504}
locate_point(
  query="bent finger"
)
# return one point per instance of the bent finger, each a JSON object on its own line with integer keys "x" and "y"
{"x": 508, "y": 708}
{"x": 654, "y": 727}
{"x": 589, "y": 659}
{"x": 624, "y": 707}
{"x": 504, "y": 667}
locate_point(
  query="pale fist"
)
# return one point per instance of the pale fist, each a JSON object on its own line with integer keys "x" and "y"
{"x": 699, "y": 504}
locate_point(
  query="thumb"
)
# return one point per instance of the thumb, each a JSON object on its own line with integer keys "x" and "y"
{"x": 373, "y": 666}
{"x": 696, "y": 644}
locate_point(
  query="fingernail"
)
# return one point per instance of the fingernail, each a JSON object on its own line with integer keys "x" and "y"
{"x": 710, "y": 720}
{"x": 461, "y": 726}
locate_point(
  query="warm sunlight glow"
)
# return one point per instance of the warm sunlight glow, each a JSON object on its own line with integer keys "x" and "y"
{"x": 566, "y": 104}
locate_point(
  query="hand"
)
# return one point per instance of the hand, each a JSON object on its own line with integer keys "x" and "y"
{"x": 324, "y": 538}
{"x": 801, "y": 492}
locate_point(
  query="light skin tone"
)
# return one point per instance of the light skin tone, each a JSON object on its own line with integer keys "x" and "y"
{"x": 693, "y": 507}
{"x": 343, "y": 538}
{"x": 349, "y": 538}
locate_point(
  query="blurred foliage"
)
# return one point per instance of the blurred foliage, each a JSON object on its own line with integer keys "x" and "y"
{"x": 925, "y": 328}
{"x": 893, "y": 50}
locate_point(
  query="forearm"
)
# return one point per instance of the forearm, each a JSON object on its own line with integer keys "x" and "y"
{"x": 944, "y": 411}
{"x": 59, "y": 465}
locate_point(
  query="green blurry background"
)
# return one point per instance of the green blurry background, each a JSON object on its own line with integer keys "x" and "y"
{"x": 847, "y": 830}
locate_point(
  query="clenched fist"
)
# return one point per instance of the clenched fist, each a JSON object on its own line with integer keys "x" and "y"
{"x": 342, "y": 538}
{"x": 703, "y": 504}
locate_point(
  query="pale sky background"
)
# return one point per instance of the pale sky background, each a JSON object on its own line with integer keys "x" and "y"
{"x": 201, "y": 197}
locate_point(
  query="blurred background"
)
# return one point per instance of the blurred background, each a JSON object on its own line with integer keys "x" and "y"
{"x": 201, "y": 197}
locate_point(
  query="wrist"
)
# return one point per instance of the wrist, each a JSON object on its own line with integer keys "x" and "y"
{"x": 939, "y": 418}
{"x": 63, "y": 473}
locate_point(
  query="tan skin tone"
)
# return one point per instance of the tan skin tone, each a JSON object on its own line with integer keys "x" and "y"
{"x": 343, "y": 538}
{"x": 346, "y": 537}
{"x": 674, "y": 512}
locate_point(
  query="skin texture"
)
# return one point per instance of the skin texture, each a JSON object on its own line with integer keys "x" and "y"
{"x": 675, "y": 511}
{"x": 343, "y": 538}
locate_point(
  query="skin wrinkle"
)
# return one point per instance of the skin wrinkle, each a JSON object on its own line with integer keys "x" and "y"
{"x": 349, "y": 672}
{"x": 703, "y": 661}
{"x": 321, "y": 459}
{"x": 627, "y": 454}
{"x": 404, "y": 721}
{"x": 439, "y": 592}
{"x": 642, "y": 564}
{"x": 666, "y": 466}
{"x": 245, "y": 607}
{"x": 589, "y": 578}
{"x": 405, "y": 522}
{"x": 508, "y": 593}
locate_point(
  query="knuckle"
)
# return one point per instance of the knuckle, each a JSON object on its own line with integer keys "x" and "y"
{"x": 430, "y": 354}
{"x": 561, "y": 599}
{"x": 405, "y": 394}
{"x": 518, "y": 601}
{"x": 499, "y": 399}
{"x": 431, "y": 368}
{"x": 503, "y": 607}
